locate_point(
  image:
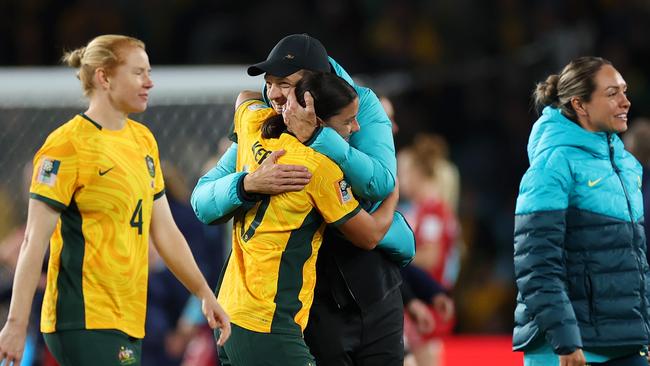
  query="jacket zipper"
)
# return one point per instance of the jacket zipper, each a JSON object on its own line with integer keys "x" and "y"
{"x": 642, "y": 290}
{"x": 618, "y": 174}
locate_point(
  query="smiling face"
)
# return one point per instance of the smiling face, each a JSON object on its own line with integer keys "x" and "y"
{"x": 608, "y": 107}
{"x": 277, "y": 89}
{"x": 130, "y": 82}
{"x": 345, "y": 122}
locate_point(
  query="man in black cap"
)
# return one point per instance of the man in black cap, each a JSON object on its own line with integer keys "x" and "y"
{"x": 357, "y": 315}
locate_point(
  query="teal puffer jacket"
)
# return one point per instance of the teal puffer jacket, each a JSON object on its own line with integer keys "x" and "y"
{"x": 579, "y": 250}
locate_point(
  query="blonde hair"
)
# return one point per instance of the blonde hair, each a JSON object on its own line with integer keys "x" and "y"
{"x": 429, "y": 153}
{"x": 103, "y": 51}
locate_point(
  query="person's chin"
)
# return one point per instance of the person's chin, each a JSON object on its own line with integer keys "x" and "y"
{"x": 138, "y": 108}
{"x": 278, "y": 108}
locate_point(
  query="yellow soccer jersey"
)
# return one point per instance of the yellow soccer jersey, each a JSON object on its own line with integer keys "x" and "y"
{"x": 269, "y": 280}
{"x": 104, "y": 182}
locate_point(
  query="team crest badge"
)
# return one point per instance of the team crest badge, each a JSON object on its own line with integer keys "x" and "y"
{"x": 256, "y": 106}
{"x": 126, "y": 356}
{"x": 151, "y": 167}
{"x": 48, "y": 171}
{"x": 343, "y": 189}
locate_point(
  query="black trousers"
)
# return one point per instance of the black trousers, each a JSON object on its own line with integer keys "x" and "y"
{"x": 349, "y": 337}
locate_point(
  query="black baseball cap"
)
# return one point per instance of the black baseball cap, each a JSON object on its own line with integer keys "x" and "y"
{"x": 293, "y": 53}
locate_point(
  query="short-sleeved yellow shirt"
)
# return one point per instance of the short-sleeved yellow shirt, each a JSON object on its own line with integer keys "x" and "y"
{"x": 104, "y": 182}
{"x": 269, "y": 280}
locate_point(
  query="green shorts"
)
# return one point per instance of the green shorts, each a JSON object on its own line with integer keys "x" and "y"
{"x": 248, "y": 348}
{"x": 102, "y": 347}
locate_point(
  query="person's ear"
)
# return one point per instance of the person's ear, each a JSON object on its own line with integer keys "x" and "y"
{"x": 101, "y": 78}
{"x": 579, "y": 106}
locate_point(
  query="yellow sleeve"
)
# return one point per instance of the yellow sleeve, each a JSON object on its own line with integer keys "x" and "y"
{"x": 331, "y": 194}
{"x": 54, "y": 178}
{"x": 250, "y": 116}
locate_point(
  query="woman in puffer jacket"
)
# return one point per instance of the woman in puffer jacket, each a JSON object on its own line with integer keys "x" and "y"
{"x": 579, "y": 253}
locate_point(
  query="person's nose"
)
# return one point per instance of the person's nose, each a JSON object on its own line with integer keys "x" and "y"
{"x": 626, "y": 102}
{"x": 355, "y": 126}
{"x": 148, "y": 81}
{"x": 273, "y": 92}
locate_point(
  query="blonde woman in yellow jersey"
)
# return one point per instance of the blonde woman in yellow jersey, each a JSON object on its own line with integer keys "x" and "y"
{"x": 96, "y": 194}
{"x": 268, "y": 284}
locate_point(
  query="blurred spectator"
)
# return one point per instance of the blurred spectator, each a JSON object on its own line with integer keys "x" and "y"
{"x": 436, "y": 229}
{"x": 387, "y": 104}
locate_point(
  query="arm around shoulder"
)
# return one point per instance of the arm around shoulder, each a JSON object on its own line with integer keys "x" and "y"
{"x": 366, "y": 230}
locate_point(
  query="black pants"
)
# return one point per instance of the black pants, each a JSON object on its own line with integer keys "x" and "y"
{"x": 350, "y": 337}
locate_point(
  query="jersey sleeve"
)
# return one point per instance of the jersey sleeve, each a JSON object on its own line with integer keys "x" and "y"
{"x": 54, "y": 178}
{"x": 158, "y": 179}
{"x": 332, "y": 195}
{"x": 250, "y": 116}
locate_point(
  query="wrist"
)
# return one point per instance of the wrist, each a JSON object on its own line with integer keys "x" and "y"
{"x": 17, "y": 322}
{"x": 247, "y": 184}
{"x": 245, "y": 190}
{"x": 204, "y": 292}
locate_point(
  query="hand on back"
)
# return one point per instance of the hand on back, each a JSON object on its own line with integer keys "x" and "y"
{"x": 274, "y": 178}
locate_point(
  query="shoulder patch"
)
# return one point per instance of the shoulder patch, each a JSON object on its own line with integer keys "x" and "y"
{"x": 151, "y": 167}
{"x": 343, "y": 189}
{"x": 48, "y": 170}
{"x": 256, "y": 106}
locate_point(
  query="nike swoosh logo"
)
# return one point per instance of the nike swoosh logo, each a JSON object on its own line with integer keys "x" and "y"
{"x": 105, "y": 171}
{"x": 592, "y": 183}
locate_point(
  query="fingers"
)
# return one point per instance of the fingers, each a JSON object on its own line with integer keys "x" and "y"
{"x": 290, "y": 103}
{"x": 427, "y": 324}
{"x": 7, "y": 360}
{"x": 309, "y": 102}
{"x": 297, "y": 175}
{"x": 299, "y": 170}
{"x": 225, "y": 333}
{"x": 212, "y": 321}
{"x": 273, "y": 158}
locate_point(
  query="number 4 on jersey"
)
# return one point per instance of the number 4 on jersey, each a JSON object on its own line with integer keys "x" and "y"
{"x": 136, "y": 218}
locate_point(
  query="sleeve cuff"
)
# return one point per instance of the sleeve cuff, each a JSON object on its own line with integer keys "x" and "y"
{"x": 245, "y": 197}
{"x": 159, "y": 194}
{"x": 53, "y": 203}
{"x": 347, "y": 217}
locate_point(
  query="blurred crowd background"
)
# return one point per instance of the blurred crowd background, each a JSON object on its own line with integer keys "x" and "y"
{"x": 463, "y": 70}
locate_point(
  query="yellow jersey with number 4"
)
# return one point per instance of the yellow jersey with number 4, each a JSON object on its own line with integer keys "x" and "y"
{"x": 104, "y": 183}
{"x": 268, "y": 284}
